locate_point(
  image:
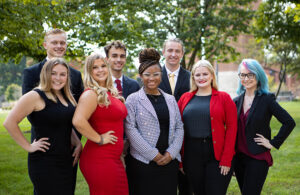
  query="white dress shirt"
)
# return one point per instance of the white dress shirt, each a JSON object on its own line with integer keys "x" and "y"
{"x": 114, "y": 78}
{"x": 176, "y": 73}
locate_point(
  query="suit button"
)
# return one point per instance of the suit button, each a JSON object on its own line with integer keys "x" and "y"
{"x": 213, "y": 130}
{"x": 212, "y": 118}
{"x": 214, "y": 142}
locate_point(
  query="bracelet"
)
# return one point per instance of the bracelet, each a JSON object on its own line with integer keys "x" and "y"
{"x": 101, "y": 141}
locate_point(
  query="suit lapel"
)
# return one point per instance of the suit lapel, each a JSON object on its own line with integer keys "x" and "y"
{"x": 179, "y": 82}
{"x": 125, "y": 86}
{"x": 145, "y": 102}
{"x": 165, "y": 81}
{"x": 42, "y": 63}
{"x": 240, "y": 104}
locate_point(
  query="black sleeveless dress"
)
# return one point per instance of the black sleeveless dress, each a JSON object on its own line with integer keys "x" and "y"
{"x": 51, "y": 171}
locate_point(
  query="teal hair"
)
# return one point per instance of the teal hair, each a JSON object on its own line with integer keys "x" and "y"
{"x": 254, "y": 67}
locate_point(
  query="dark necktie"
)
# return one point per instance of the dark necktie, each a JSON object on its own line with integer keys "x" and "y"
{"x": 119, "y": 86}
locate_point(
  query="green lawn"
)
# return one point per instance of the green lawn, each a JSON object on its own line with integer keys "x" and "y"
{"x": 283, "y": 177}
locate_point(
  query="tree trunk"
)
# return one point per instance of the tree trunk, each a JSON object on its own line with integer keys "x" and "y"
{"x": 281, "y": 77}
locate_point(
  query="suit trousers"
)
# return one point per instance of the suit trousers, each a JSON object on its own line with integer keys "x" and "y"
{"x": 250, "y": 173}
{"x": 202, "y": 168}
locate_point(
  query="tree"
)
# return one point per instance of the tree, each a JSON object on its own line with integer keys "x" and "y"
{"x": 207, "y": 27}
{"x": 23, "y": 25}
{"x": 286, "y": 55}
{"x": 11, "y": 73}
{"x": 277, "y": 26}
{"x": 276, "y": 20}
{"x": 13, "y": 92}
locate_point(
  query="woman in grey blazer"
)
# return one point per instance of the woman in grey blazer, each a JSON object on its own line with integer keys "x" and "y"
{"x": 155, "y": 132}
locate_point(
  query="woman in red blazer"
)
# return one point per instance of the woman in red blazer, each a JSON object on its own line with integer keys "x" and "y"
{"x": 210, "y": 124}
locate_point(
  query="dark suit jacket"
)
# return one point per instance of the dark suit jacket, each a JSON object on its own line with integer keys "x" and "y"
{"x": 264, "y": 106}
{"x": 182, "y": 84}
{"x": 31, "y": 79}
{"x": 129, "y": 86}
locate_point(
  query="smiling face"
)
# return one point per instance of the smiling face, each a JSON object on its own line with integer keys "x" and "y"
{"x": 116, "y": 59}
{"x": 173, "y": 52}
{"x": 249, "y": 84}
{"x": 100, "y": 72}
{"x": 203, "y": 77}
{"x": 151, "y": 78}
{"x": 59, "y": 77}
{"x": 56, "y": 45}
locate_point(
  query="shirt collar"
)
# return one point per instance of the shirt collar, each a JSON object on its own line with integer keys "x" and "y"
{"x": 176, "y": 72}
{"x": 114, "y": 78}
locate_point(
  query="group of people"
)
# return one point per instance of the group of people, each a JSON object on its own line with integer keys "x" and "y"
{"x": 175, "y": 134}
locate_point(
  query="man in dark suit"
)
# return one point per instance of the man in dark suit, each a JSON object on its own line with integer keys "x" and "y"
{"x": 172, "y": 71}
{"x": 55, "y": 43}
{"x": 116, "y": 57}
{"x": 175, "y": 81}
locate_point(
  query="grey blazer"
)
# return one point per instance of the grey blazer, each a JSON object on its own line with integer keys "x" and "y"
{"x": 142, "y": 127}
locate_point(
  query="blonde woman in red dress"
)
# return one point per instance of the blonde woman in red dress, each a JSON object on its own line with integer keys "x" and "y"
{"x": 99, "y": 117}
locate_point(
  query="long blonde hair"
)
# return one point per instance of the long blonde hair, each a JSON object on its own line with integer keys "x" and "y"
{"x": 207, "y": 64}
{"x": 89, "y": 82}
{"x": 45, "y": 80}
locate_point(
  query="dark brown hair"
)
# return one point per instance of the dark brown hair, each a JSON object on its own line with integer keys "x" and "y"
{"x": 148, "y": 57}
{"x": 116, "y": 44}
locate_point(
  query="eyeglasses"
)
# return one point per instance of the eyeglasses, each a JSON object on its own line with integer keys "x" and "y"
{"x": 148, "y": 75}
{"x": 249, "y": 75}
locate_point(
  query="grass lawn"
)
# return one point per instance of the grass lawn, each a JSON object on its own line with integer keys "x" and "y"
{"x": 283, "y": 177}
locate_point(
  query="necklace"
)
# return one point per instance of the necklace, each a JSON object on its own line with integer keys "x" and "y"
{"x": 154, "y": 97}
{"x": 249, "y": 100}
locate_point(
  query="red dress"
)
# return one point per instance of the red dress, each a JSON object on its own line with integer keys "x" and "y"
{"x": 101, "y": 165}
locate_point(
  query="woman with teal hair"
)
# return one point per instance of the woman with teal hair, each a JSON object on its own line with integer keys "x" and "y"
{"x": 256, "y": 106}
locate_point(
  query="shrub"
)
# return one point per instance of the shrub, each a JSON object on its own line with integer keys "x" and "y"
{"x": 13, "y": 92}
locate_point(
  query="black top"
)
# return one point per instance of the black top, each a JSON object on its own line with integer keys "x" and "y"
{"x": 196, "y": 117}
{"x": 54, "y": 122}
{"x": 161, "y": 108}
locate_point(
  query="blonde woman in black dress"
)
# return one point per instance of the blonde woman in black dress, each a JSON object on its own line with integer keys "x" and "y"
{"x": 50, "y": 108}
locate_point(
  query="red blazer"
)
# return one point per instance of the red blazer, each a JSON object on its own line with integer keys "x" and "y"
{"x": 223, "y": 115}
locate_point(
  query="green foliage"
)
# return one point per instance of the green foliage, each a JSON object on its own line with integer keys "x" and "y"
{"x": 13, "y": 92}
{"x": 275, "y": 21}
{"x": 277, "y": 26}
{"x": 11, "y": 73}
{"x": 206, "y": 27}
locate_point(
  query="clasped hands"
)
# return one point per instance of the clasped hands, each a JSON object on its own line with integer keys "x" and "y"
{"x": 162, "y": 159}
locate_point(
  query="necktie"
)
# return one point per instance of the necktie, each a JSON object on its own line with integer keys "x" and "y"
{"x": 172, "y": 82}
{"x": 119, "y": 86}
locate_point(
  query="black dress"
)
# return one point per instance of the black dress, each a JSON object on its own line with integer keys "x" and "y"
{"x": 150, "y": 179}
{"x": 51, "y": 171}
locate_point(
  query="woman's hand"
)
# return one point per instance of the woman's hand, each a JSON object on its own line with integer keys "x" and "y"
{"x": 109, "y": 138}
{"x": 76, "y": 153}
{"x": 166, "y": 158}
{"x": 157, "y": 157}
{"x": 261, "y": 140}
{"x": 40, "y": 145}
{"x": 224, "y": 170}
{"x": 182, "y": 171}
